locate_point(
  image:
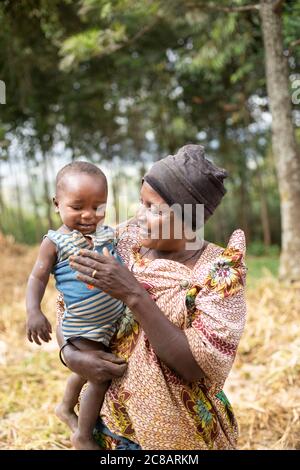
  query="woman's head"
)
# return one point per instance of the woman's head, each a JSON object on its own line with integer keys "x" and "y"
{"x": 81, "y": 195}
{"x": 189, "y": 185}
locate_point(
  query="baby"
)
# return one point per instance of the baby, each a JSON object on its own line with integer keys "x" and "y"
{"x": 90, "y": 316}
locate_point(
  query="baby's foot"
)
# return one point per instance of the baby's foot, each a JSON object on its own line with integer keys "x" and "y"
{"x": 81, "y": 442}
{"x": 67, "y": 416}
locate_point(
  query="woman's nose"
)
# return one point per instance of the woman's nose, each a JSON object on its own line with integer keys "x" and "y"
{"x": 141, "y": 213}
{"x": 141, "y": 216}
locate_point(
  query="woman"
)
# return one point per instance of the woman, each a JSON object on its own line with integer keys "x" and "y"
{"x": 188, "y": 314}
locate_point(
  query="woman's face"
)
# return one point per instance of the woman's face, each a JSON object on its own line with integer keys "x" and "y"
{"x": 161, "y": 229}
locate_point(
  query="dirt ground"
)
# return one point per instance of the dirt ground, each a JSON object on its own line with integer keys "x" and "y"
{"x": 263, "y": 387}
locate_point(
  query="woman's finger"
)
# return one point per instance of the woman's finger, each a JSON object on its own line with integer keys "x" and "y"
{"x": 93, "y": 255}
{"x": 87, "y": 269}
{"x": 87, "y": 279}
{"x": 110, "y": 357}
{"x": 90, "y": 262}
{"x": 115, "y": 369}
{"x": 85, "y": 261}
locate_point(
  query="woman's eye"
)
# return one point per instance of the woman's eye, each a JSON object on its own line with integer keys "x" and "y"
{"x": 155, "y": 210}
{"x": 160, "y": 209}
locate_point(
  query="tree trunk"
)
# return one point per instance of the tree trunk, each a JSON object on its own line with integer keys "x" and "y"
{"x": 20, "y": 215}
{"x": 2, "y": 206}
{"x": 283, "y": 140}
{"x": 220, "y": 233}
{"x": 244, "y": 208}
{"x": 115, "y": 183}
{"x": 47, "y": 200}
{"x": 33, "y": 198}
{"x": 264, "y": 211}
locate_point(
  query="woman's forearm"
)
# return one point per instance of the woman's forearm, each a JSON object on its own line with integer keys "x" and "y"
{"x": 168, "y": 341}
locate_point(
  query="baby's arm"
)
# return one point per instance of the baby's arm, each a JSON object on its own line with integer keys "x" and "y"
{"x": 38, "y": 327}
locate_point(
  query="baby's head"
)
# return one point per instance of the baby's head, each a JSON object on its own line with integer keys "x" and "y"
{"x": 81, "y": 195}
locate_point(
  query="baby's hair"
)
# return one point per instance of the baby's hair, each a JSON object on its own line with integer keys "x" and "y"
{"x": 79, "y": 167}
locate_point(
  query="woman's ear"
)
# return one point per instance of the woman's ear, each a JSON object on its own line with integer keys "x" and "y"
{"x": 55, "y": 202}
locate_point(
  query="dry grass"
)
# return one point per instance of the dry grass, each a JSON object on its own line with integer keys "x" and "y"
{"x": 263, "y": 386}
{"x": 31, "y": 377}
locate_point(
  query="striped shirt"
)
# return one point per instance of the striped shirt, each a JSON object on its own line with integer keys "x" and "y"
{"x": 89, "y": 312}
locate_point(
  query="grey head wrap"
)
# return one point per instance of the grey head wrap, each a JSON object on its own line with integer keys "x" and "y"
{"x": 188, "y": 178}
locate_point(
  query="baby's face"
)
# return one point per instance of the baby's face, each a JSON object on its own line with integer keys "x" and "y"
{"x": 81, "y": 201}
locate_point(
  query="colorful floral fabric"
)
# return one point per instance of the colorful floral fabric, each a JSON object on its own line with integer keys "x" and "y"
{"x": 150, "y": 405}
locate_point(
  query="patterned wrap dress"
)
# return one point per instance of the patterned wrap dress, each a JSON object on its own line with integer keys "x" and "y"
{"x": 151, "y": 407}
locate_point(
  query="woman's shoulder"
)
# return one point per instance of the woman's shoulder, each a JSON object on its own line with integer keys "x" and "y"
{"x": 225, "y": 268}
{"x": 236, "y": 242}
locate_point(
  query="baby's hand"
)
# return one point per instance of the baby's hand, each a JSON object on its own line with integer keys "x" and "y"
{"x": 38, "y": 327}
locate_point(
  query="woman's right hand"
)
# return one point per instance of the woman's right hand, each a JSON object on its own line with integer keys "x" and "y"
{"x": 94, "y": 366}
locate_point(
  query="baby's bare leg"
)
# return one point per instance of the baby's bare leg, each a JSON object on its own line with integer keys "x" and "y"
{"x": 90, "y": 403}
{"x": 90, "y": 406}
{"x": 65, "y": 410}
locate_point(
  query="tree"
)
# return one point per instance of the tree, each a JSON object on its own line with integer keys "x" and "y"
{"x": 283, "y": 138}
{"x": 283, "y": 132}
{"x": 128, "y": 80}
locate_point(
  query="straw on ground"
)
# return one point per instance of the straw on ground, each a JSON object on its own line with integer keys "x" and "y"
{"x": 263, "y": 385}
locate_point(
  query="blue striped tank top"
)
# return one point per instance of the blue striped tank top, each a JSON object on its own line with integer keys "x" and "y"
{"x": 90, "y": 313}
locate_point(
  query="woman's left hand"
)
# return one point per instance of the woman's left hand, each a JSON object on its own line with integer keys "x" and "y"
{"x": 105, "y": 273}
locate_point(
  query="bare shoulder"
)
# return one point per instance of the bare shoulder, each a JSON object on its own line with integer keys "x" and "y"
{"x": 45, "y": 260}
